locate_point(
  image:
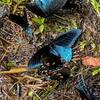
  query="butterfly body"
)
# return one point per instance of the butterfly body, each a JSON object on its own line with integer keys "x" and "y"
{"x": 51, "y": 61}
{"x": 45, "y": 7}
{"x": 59, "y": 49}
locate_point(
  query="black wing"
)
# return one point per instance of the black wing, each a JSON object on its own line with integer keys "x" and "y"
{"x": 20, "y": 20}
{"x": 35, "y": 61}
{"x": 35, "y": 9}
{"x": 67, "y": 39}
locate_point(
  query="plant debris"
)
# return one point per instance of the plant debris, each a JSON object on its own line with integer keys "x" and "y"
{"x": 16, "y": 48}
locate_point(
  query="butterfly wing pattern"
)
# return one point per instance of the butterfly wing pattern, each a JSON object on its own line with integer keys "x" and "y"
{"x": 64, "y": 53}
{"x": 45, "y": 8}
{"x": 35, "y": 60}
{"x": 60, "y": 47}
{"x": 67, "y": 39}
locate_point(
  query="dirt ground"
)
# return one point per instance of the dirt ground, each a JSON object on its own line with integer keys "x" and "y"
{"x": 16, "y": 48}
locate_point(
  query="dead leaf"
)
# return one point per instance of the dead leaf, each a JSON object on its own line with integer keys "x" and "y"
{"x": 91, "y": 61}
{"x": 14, "y": 71}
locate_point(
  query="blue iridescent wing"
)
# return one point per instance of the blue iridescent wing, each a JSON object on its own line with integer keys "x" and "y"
{"x": 61, "y": 46}
{"x": 67, "y": 39}
{"x": 50, "y": 6}
{"x": 45, "y": 7}
{"x": 64, "y": 53}
{"x": 36, "y": 60}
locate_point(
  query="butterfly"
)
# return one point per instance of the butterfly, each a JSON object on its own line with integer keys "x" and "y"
{"x": 45, "y": 8}
{"x": 22, "y": 21}
{"x": 52, "y": 55}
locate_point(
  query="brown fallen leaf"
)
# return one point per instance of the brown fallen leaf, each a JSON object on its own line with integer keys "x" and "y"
{"x": 91, "y": 61}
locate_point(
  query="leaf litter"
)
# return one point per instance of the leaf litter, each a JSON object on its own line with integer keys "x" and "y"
{"x": 16, "y": 46}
